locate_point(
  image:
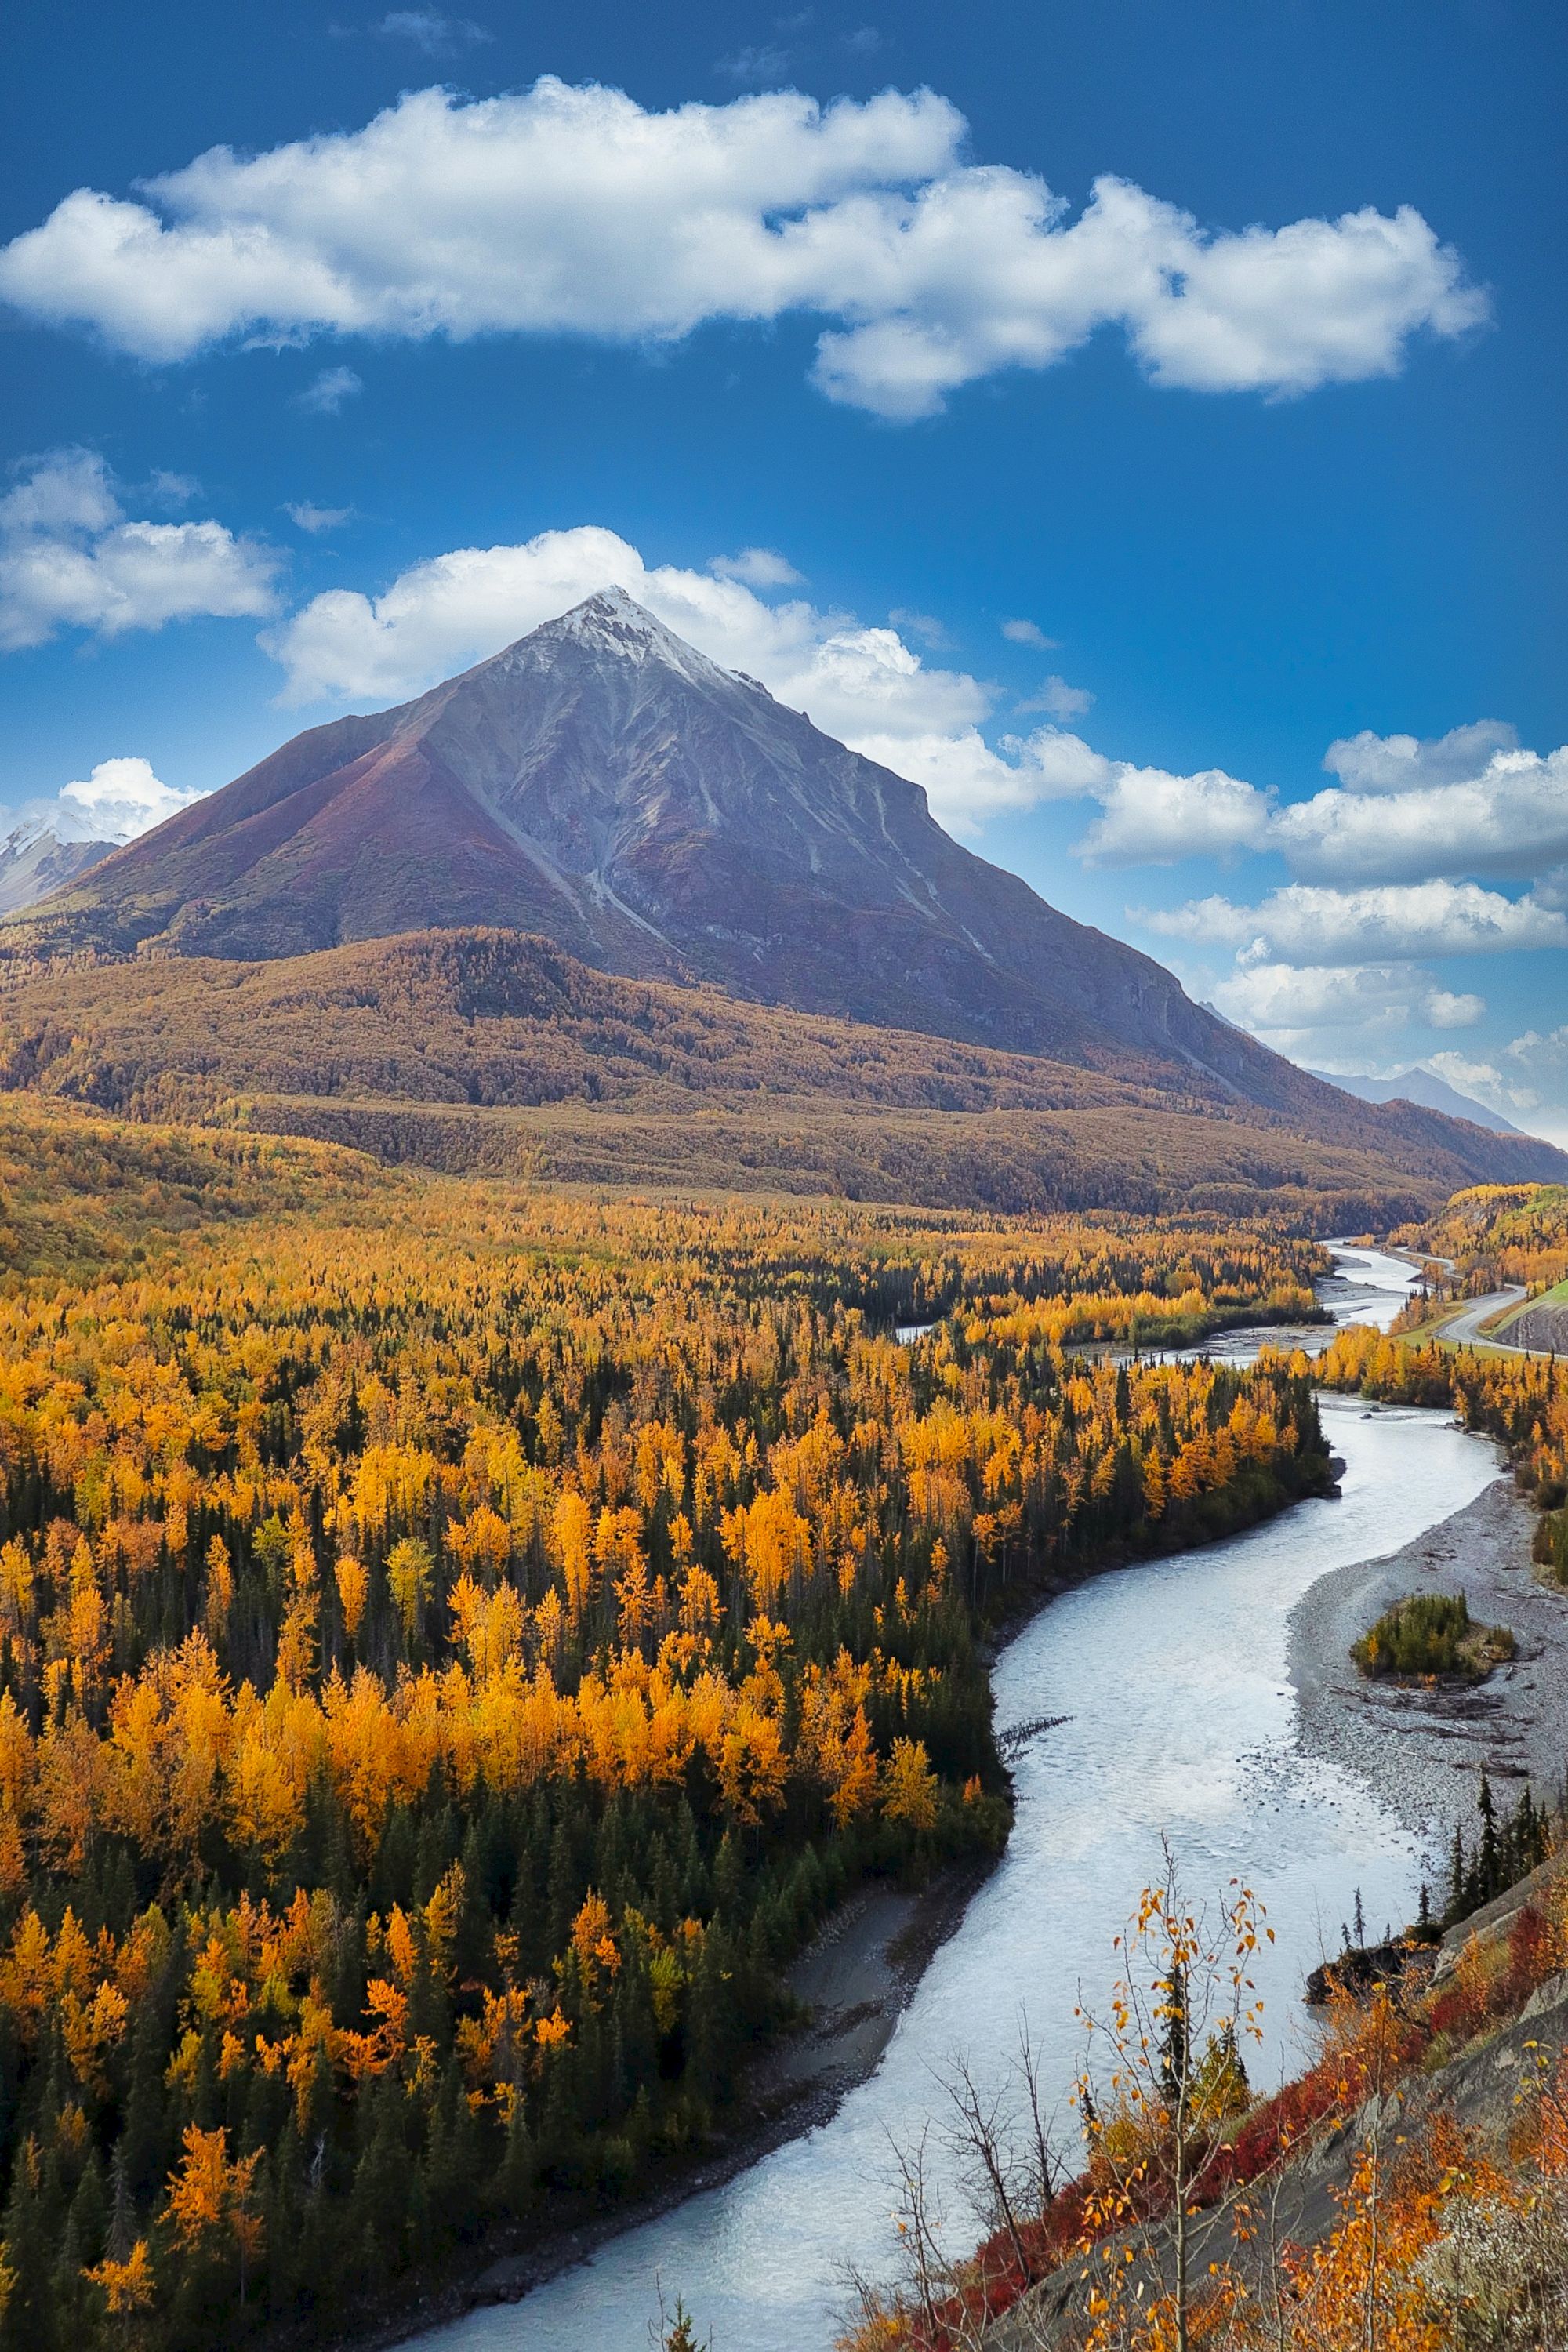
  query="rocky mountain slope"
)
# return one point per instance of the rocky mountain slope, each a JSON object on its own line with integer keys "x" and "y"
{"x": 34, "y": 861}
{"x": 606, "y": 786}
{"x": 602, "y": 786}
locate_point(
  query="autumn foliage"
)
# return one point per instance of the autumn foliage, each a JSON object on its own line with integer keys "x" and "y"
{"x": 457, "y": 1640}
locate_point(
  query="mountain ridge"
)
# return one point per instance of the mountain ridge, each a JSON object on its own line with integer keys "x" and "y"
{"x": 1421, "y": 1085}
{"x": 490, "y": 1049}
{"x": 606, "y": 786}
{"x": 36, "y": 861}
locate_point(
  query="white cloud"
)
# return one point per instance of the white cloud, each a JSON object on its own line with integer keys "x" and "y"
{"x": 931, "y": 632}
{"x": 1448, "y": 1011}
{"x": 1527, "y": 1081}
{"x": 1508, "y": 816}
{"x": 563, "y": 210}
{"x": 1401, "y": 763}
{"x": 119, "y": 799}
{"x": 1528, "y": 1077}
{"x": 325, "y": 394}
{"x": 1482, "y": 1079}
{"x": 1029, "y": 633}
{"x": 168, "y": 490}
{"x": 1150, "y": 817}
{"x": 428, "y": 29}
{"x": 1317, "y": 926}
{"x": 1510, "y": 819}
{"x": 758, "y": 567}
{"x": 1292, "y": 1006}
{"x": 70, "y": 558}
{"x": 761, "y": 61}
{"x": 1059, "y": 699}
{"x": 315, "y": 520}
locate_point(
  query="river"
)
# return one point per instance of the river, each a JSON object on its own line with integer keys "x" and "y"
{"x": 1164, "y": 1691}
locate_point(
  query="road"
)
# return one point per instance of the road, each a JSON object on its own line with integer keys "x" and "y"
{"x": 1463, "y": 1329}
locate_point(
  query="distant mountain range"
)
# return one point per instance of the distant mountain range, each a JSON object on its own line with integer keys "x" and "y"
{"x": 604, "y": 787}
{"x": 1419, "y": 1085}
{"x": 34, "y": 861}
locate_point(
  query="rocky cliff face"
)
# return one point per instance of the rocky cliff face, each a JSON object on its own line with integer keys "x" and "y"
{"x": 604, "y": 784}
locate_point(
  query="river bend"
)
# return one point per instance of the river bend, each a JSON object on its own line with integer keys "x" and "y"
{"x": 1169, "y": 1709}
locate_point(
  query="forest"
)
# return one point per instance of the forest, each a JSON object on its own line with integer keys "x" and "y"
{"x": 457, "y": 1640}
{"x": 1496, "y": 1233}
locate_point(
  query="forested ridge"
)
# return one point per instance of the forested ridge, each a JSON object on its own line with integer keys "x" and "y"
{"x": 456, "y": 1641}
{"x": 495, "y": 1051}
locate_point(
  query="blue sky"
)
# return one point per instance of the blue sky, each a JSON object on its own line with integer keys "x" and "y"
{"x": 1101, "y": 516}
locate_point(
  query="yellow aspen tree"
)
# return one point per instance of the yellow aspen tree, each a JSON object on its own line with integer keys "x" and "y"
{"x": 220, "y": 1595}
{"x": 573, "y": 1529}
{"x": 910, "y": 1786}
{"x": 353, "y": 1587}
{"x": 408, "y": 1570}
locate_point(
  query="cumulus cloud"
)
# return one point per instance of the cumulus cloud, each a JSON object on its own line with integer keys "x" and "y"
{"x": 1509, "y": 819}
{"x": 119, "y": 799}
{"x": 1527, "y": 1080}
{"x": 71, "y": 558}
{"x": 1059, "y": 699}
{"x": 1402, "y": 764}
{"x": 1324, "y": 927}
{"x": 574, "y": 210}
{"x": 866, "y": 684}
{"x": 1529, "y": 1076}
{"x": 1029, "y": 633}
{"x": 758, "y": 567}
{"x": 1150, "y": 817}
{"x": 325, "y": 394}
{"x": 1483, "y": 1080}
{"x": 1449, "y": 1010}
{"x": 1404, "y": 812}
{"x": 1291, "y": 1007}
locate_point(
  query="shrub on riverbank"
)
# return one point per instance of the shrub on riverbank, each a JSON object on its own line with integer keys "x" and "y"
{"x": 1432, "y": 1633}
{"x": 1179, "y": 2229}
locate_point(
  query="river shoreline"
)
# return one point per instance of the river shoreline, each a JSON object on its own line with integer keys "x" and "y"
{"x": 1422, "y": 1750}
{"x": 857, "y": 1977}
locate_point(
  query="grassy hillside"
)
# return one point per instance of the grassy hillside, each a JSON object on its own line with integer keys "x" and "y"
{"x": 495, "y": 1051}
{"x": 79, "y": 1194}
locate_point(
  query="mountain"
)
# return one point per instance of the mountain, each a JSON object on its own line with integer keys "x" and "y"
{"x": 34, "y": 861}
{"x": 606, "y": 785}
{"x": 494, "y": 1050}
{"x": 1424, "y": 1086}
